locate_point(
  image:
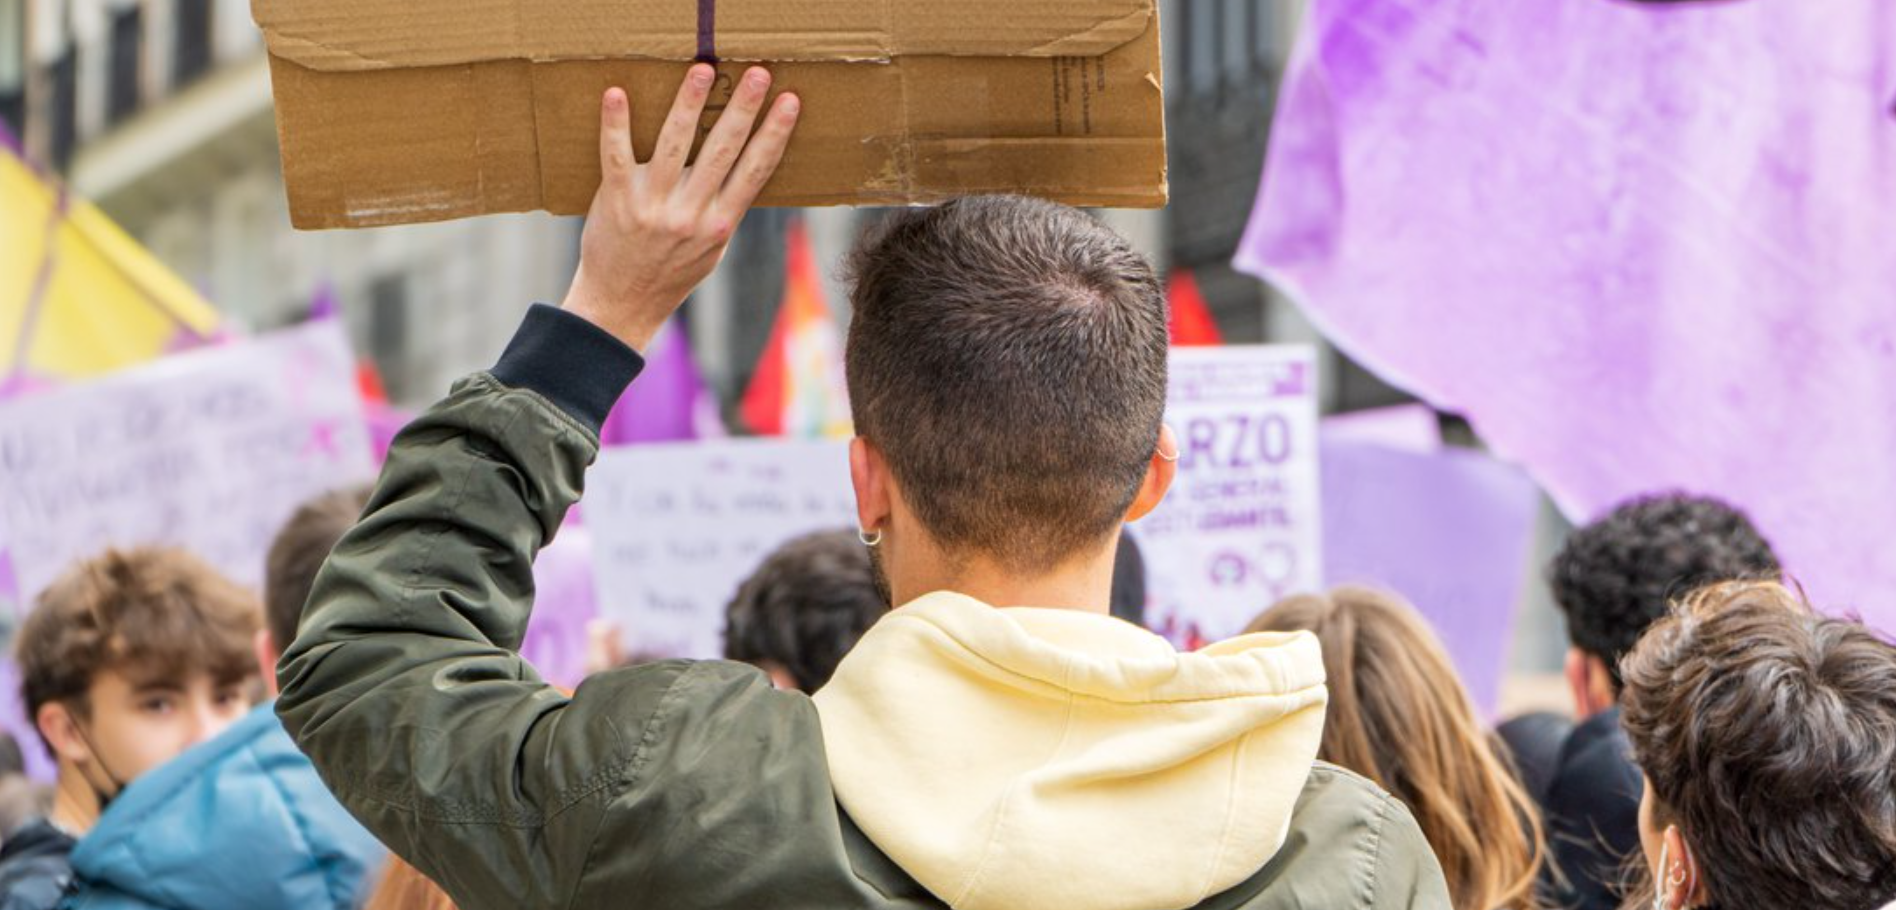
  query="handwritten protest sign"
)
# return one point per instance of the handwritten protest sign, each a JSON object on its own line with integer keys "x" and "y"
{"x": 210, "y": 450}
{"x": 1242, "y": 524}
{"x": 676, "y": 527}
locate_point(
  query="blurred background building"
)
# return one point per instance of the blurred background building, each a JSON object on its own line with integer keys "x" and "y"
{"x": 160, "y": 112}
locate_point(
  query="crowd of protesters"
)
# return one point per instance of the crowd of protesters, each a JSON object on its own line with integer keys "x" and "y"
{"x": 1011, "y": 736}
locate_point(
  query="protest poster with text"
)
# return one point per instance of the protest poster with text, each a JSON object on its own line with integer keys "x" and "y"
{"x": 210, "y": 450}
{"x": 1242, "y": 524}
{"x": 676, "y": 528}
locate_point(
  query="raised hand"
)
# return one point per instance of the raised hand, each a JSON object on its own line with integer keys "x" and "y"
{"x": 657, "y": 229}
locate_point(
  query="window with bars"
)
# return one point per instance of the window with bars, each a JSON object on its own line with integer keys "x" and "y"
{"x": 388, "y": 333}
{"x": 122, "y": 83}
{"x": 1225, "y": 42}
{"x": 62, "y": 108}
{"x": 191, "y": 44}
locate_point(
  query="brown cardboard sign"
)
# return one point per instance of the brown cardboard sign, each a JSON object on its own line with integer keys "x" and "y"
{"x": 396, "y": 111}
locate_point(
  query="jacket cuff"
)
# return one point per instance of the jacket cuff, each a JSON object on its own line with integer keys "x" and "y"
{"x": 576, "y": 365}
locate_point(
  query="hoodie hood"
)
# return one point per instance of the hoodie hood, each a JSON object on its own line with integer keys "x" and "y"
{"x": 241, "y": 820}
{"x": 1026, "y": 757}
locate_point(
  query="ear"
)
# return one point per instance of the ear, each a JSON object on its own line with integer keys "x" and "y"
{"x": 869, "y": 475}
{"x": 1160, "y": 473}
{"x": 1589, "y": 683}
{"x": 1600, "y": 678}
{"x": 1576, "y": 671}
{"x": 264, "y": 644}
{"x": 1690, "y": 890}
{"x": 56, "y": 723}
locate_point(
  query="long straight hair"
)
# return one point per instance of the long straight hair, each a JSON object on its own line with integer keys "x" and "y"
{"x": 1399, "y": 716}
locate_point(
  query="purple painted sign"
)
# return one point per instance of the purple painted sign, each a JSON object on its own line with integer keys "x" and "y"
{"x": 1640, "y": 246}
{"x": 210, "y": 450}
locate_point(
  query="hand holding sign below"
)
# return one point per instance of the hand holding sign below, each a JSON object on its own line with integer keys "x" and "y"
{"x": 657, "y": 229}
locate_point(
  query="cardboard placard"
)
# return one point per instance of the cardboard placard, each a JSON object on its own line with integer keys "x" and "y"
{"x": 395, "y": 111}
{"x": 676, "y": 528}
{"x": 1242, "y": 525}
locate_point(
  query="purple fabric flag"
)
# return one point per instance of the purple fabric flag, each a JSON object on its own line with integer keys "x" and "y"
{"x": 1448, "y": 530}
{"x": 1641, "y": 247}
{"x": 669, "y": 402}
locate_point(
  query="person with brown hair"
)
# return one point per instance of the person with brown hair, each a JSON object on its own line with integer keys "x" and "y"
{"x": 289, "y": 568}
{"x": 997, "y": 742}
{"x": 1767, "y": 736}
{"x": 265, "y": 833}
{"x": 1399, "y": 716}
{"x": 127, "y": 660}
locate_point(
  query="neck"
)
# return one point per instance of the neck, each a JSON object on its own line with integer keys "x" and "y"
{"x": 75, "y": 803}
{"x": 1082, "y": 584}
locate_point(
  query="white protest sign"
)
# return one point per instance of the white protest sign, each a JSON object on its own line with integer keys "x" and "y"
{"x": 1242, "y": 525}
{"x": 210, "y": 450}
{"x": 676, "y": 528}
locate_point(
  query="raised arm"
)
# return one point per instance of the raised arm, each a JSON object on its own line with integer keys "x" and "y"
{"x": 403, "y": 684}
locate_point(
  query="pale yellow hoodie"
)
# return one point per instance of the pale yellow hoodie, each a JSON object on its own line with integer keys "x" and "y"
{"x": 1015, "y": 757}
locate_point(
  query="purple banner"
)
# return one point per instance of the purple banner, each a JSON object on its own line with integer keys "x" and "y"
{"x": 1449, "y": 530}
{"x": 1641, "y": 247}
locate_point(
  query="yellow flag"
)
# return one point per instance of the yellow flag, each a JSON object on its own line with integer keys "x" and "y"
{"x": 78, "y": 296}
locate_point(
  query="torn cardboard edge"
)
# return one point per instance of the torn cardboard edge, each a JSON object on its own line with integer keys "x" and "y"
{"x": 382, "y": 145}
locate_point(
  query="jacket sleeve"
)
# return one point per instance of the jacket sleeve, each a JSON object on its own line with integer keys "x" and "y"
{"x": 404, "y": 686}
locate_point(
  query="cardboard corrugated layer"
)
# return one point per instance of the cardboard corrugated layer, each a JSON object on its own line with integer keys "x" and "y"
{"x": 396, "y": 111}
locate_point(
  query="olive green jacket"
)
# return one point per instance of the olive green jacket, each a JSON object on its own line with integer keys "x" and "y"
{"x": 676, "y": 784}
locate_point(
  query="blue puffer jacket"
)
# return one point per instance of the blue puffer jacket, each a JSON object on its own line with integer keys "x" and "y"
{"x": 239, "y": 821}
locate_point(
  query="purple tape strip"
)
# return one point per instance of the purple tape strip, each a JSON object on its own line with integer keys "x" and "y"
{"x": 708, "y": 31}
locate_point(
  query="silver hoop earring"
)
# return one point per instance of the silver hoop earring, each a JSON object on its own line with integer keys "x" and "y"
{"x": 1168, "y": 458}
{"x": 868, "y": 541}
{"x": 1670, "y": 880}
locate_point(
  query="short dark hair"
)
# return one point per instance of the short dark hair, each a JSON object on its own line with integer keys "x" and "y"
{"x": 149, "y": 613}
{"x": 1768, "y": 733}
{"x": 805, "y": 607}
{"x": 1008, "y": 357}
{"x": 1616, "y": 576}
{"x": 299, "y": 551}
